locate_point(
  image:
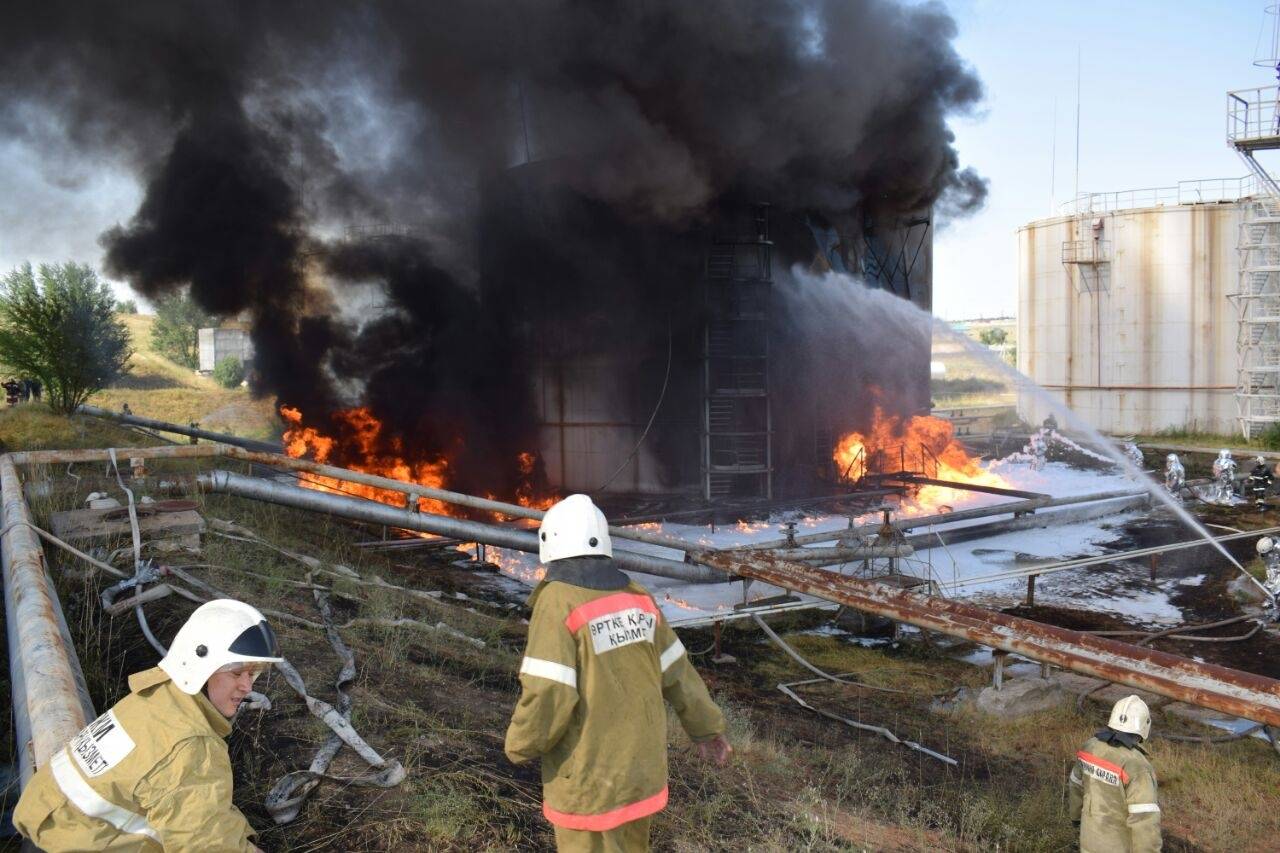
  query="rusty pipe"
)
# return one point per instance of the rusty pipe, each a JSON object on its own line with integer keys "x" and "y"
{"x": 1229, "y": 691}
{"x": 51, "y": 701}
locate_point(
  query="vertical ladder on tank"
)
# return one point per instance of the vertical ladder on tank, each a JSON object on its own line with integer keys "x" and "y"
{"x": 737, "y": 453}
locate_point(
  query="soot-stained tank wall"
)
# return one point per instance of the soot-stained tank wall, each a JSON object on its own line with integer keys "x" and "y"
{"x": 595, "y": 300}
{"x": 599, "y": 302}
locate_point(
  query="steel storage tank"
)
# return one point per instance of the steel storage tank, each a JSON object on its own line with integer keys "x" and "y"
{"x": 1124, "y": 311}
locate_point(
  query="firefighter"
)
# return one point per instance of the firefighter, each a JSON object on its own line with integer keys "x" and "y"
{"x": 1224, "y": 475}
{"x": 1270, "y": 555}
{"x": 600, "y": 660}
{"x": 153, "y": 773}
{"x": 1113, "y": 785}
{"x": 1175, "y": 476}
{"x": 1259, "y": 482}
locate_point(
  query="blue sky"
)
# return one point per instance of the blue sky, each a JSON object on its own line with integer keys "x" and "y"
{"x": 1153, "y": 82}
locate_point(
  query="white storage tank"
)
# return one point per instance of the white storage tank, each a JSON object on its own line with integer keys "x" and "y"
{"x": 1123, "y": 310}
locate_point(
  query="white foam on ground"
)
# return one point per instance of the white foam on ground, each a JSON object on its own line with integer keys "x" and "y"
{"x": 949, "y": 566}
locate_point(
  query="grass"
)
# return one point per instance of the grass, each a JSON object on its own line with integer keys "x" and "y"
{"x": 31, "y": 426}
{"x": 1191, "y": 437}
{"x": 440, "y": 707}
{"x": 162, "y": 389}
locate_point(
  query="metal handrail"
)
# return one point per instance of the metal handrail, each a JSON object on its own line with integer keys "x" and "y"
{"x": 1200, "y": 191}
{"x": 1252, "y": 114}
{"x": 1087, "y": 251}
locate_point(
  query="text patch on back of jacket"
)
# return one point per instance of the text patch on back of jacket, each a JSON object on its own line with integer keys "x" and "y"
{"x": 615, "y": 630}
{"x": 1103, "y": 771}
{"x": 101, "y": 745}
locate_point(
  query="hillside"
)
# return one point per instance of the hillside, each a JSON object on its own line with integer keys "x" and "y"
{"x": 159, "y": 388}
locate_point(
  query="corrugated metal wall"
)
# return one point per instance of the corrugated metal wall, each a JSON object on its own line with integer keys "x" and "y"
{"x": 1148, "y": 345}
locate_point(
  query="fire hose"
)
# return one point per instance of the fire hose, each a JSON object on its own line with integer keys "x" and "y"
{"x": 287, "y": 796}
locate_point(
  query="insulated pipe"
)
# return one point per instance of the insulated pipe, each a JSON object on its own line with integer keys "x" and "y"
{"x": 167, "y": 451}
{"x": 1080, "y": 562}
{"x": 1015, "y": 507}
{"x": 51, "y": 702}
{"x": 443, "y": 495}
{"x": 1230, "y": 691}
{"x": 190, "y": 431}
{"x": 360, "y": 509}
{"x": 278, "y": 460}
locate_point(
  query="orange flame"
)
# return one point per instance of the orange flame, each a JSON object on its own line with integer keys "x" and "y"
{"x": 526, "y": 462}
{"x": 364, "y": 448}
{"x": 921, "y": 444}
{"x": 367, "y": 451}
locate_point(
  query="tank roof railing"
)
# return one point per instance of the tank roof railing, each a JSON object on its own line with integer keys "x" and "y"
{"x": 1203, "y": 191}
{"x": 1253, "y": 118}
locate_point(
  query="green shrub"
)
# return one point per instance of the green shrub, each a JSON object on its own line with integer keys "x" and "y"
{"x": 228, "y": 372}
{"x": 1271, "y": 438}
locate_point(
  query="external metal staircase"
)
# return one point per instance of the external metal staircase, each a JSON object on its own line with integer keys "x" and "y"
{"x": 1253, "y": 124}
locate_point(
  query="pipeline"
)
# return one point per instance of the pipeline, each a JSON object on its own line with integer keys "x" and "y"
{"x": 276, "y": 460}
{"x": 360, "y": 509}
{"x": 1017, "y": 508}
{"x": 443, "y": 495}
{"x": 1229, "y": 691}
{"x": 179, "y": 429}
{"x": 50, "y": 700}
{"x": 1113, "y": 557}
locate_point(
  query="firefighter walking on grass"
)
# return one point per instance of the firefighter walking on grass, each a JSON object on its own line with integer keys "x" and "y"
{"x": 1113, "y": 786}
{"x": 153, "y": 773}
{"x": 599, "y": 662}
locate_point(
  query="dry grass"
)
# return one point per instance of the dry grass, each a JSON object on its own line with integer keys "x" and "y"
{"x": 31, "y": 426}
{"x": 159, "y": 388}
{"x": 798, "y": 782}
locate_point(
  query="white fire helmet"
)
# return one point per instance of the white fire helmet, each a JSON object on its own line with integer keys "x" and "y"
{"x": 1171, "y": 458}
{"x": 1131, "y": 715}
{"x": 574, "y": 527}
{"x": 1265, "y": 544}
{"x": 1224, "y": 454}
{"x": 218, "y": 633}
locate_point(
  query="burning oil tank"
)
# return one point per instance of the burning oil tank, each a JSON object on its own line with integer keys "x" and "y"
{"x": 664, "y": 357}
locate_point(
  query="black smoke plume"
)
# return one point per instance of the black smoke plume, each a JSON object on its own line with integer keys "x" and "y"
{"x": 263, "y": 129}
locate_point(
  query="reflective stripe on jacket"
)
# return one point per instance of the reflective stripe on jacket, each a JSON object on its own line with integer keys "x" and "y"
{"x": 152, "y": 773}
{"x": 1113, "y": 795}
{"x": 597, "y": 667}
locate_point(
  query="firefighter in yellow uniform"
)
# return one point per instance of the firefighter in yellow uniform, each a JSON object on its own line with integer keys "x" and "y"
{"x": 153, "y": 773}
{"x": 599, "y": 662}
{"x": 1113, "y": 786}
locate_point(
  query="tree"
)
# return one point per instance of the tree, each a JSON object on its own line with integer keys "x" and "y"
{"x": 993, "y": 337}
{"x": 175, "y": 332}
{"x": 61, "y": 329}
{"x": 126, "y": 306}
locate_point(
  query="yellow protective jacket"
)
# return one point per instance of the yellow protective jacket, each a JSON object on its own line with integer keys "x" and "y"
{"x": 152, "y": 773}
{"x": 598, "y": 664}
{"x": 1113, "y": 796}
